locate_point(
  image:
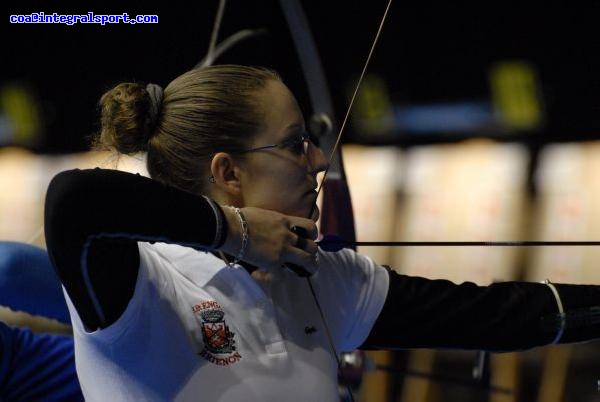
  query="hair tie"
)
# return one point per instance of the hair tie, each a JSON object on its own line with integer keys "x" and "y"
{"x": 156, "y": 98}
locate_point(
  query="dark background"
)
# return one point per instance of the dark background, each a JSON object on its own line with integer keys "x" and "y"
{"x": 429, "y": 52}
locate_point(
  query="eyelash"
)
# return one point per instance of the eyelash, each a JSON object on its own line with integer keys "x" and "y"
{"x": 298, "y": 148}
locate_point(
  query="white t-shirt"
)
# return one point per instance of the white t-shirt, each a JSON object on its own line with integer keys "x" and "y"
{"x": 199, "y": 330}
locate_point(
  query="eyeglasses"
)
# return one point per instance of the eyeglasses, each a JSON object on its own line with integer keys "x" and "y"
{"x": 299, "y": 144}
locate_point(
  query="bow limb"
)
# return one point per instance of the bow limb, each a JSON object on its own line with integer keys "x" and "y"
{"x": 337, "y": 214}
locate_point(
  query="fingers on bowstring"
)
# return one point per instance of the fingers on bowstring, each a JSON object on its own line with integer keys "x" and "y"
{"x": 305, "y": 228}
{"x": 300, "y": 246}
{"x": 304, "y": 239}
{"x": 306, "y": 244}
{"x": 300, "y": 242}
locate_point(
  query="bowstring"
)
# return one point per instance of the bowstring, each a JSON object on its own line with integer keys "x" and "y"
{"x": 354, "y": 94}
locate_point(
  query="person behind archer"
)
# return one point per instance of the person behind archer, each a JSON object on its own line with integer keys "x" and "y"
{"x": 34, "y": 366}
{"x": 178, "y": 284}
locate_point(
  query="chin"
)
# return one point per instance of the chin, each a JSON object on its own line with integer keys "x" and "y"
{"x": 308, "y": 213}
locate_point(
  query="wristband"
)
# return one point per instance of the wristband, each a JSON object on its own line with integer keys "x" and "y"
{"x": 561, "y": 311}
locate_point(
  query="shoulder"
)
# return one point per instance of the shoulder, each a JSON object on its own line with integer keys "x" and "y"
{"x": 348, "y": 263}
{"x": 170, "y": 253}
{"x": 345, "y": 259}
{"x": 166, "y": 260}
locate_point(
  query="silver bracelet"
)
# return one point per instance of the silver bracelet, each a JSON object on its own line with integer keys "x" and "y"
{"x": 561, "y": 310}
{"x": 245, "y": 236}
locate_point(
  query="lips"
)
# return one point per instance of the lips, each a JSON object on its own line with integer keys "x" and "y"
{"x": 313, "y": 194}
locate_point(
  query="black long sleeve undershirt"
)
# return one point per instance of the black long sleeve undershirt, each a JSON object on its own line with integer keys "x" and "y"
{"x": 504, "y": 316}
{"x": 104, "y": 213}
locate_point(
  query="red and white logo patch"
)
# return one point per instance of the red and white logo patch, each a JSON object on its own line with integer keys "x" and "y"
{"x": 219, "y": 343}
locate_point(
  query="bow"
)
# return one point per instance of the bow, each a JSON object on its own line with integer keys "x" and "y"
{"x": 337, "y": 214}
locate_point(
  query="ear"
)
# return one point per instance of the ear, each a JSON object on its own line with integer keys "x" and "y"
{"x": 226, "y": 173}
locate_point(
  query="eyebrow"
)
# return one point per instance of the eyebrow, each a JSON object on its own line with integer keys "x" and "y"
{"x": 291, "y": 129}
{"x": 295, "y": 126}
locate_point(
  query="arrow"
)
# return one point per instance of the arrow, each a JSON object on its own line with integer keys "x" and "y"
{"x": 335, "y": 243}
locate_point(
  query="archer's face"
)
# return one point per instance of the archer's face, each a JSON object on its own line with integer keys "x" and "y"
{"x": 282, "y": 178}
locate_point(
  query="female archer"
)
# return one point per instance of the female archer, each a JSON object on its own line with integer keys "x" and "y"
{"x": 178, "y": 285}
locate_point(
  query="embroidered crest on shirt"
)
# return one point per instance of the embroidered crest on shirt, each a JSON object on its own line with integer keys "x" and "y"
{"x": 219, "y": 345}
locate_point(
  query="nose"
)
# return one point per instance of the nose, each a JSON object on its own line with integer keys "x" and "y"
{"x": 317, "y": 160}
